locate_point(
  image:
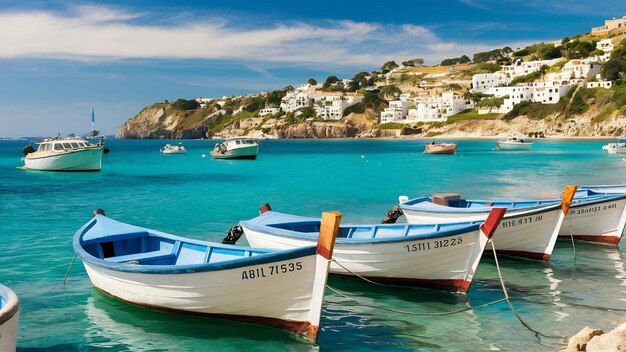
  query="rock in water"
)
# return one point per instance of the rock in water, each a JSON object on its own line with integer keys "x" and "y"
{"x": 615, "y": 340}
{"x": 579, "y": 341}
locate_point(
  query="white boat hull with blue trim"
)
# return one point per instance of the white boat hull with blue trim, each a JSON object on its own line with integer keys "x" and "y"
{"x": 444, "y": 256}
{"x": 592, "y": 216}
{"x": 165, "y": 272}
{"x": 81, "y": 160}
{"x": 9, "y": 316}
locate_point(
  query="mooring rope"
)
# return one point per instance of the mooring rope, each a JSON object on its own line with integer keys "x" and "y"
{"x": 359, "y": 276}
{"x": 571, "y": 236}
{"x": 508, "y": 300}
{"x": 68, "y": 269}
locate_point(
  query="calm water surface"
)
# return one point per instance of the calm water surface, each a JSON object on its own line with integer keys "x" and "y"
{"x": 198, "y": 197}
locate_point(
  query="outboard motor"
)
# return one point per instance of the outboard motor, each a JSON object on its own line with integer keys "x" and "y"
{"x": 28, "y": 149}
{"x": 392, "y": 215}
{"x": 234, "y": 234}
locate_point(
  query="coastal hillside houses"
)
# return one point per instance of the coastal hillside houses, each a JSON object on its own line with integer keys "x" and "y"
{"x": 424, "y": 109}
{"x": 327, "y": 105}
{"x": 521, "y": 68}
{"x": 484, "y": 81}
{"x": 615, "y": 23}
{"x": 536, "y": 92}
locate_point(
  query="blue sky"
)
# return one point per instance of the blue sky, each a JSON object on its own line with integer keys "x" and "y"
{"x": 58, "y": 59}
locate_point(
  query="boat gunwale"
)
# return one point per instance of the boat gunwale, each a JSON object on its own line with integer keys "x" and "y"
{"x": 266, "y": 256}
{"x": 11, "y": 305}
{"x": 258, "y": 224}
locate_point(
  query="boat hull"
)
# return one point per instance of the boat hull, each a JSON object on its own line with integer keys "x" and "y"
{"x": 80, "y": 160}
{"x": 513, "y": 146}
{"x": 259, "y": 293}
{"x": 440, "y": 149}
{"x": 443, "y": 262}
{"x": 246, "y": 152}
{"x": 602, "y": 221}
{"x": 9, "y": 316}
{"x": 529, "y": 234}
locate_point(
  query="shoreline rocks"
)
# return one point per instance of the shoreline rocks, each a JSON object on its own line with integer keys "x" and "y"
{"x": 595, "y": 340}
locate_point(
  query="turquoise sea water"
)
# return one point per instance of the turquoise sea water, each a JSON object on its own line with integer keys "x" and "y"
{"x": 202, "y": 198}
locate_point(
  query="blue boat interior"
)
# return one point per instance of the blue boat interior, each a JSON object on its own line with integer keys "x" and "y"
{"x": 145, "y": 248}
{"x": 369, "y": 232}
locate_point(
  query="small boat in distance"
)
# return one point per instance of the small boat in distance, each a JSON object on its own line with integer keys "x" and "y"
{"x": 9, "y": 316}
{"x": 513, "y": 141}
{"x": 64, "y": 154}
{"x": 236, "y": 148}
{"x": 618, "y": 147}
{"x": 164, "y": 272}
{"x": 432, "y": 255}
{"x": 174, "y": 149}
{"x": 440, "y": 148}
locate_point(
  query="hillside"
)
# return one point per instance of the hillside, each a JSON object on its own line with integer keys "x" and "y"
{"x": 578, "y": 112}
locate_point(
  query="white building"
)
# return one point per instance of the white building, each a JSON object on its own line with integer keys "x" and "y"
{"x": 579, "y": 69}
{"x": 483, "y": 81}
{"x": 425, "y": 109}
{"x": 600, "y": 84}
{"x": 536, "y": 92}
{"x": 268, "y": 111}
{"x": 610, "y": 24}
{"x": 521, "y": 68}
{"x": 397, "y": 110}
{"x": 328, "y": 105}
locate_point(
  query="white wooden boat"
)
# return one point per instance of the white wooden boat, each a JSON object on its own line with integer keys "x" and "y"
{"x": 618, "y": 147}
{"x": 164, "y": 272}
{"x": 591, "y": 216}
{"x": 236, "y": 148}
{"x": 174, "y": 149}
{"x": 444, "y": 256}
{"x": 528, "y": 229}
{"x": 514, "y": 141}
{"x": 64, "y": 154}
{"x": 9, "y": 316}
{"x": 606, "y": 189}
{"x": 440, "y": 148}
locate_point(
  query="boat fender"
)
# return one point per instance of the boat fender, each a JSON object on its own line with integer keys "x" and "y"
{"x": 106, "y": 150}
{"x": 28, "y": 149}
{"x": 234, "y": 234}
{"x": 392, "y": 215}
{"x": 98, "y": 211}
{"x": 265, "y": 208}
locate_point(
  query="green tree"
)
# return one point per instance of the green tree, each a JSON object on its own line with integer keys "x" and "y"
{"x": 312, "y": 81}
{"x": 464, "y": 59}
{"x": 183, "y": 104}
{"x": 388, "y": 66}
{"x": 330, "y": 80}
{"x": 390, "y": 92}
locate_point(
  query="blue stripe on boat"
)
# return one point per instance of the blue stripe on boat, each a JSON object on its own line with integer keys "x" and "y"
{"x": 308, "y": 228}
{"x": 118, "y": 246}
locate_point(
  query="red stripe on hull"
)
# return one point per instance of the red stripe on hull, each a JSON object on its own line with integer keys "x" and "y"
{"x": 529, "y": 255}
{"x": 446, "y": 284}
{"x": 614, "y": 240}
{"x": 300, "y": 327}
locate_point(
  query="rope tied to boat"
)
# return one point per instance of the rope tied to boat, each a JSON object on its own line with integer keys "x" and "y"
{"x": 508, "y": 300}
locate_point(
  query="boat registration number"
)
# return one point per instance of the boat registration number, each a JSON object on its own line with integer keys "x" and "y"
{"x": 522, "y": 221}
{"x": 271, "y": 270}
{"x": 424, "y": 246}
{"x": 595, "y": 209}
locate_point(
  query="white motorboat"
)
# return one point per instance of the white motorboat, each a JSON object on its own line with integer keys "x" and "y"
{"x": 65, "y": 154}
{"x": 174, "y": 149}
{"x": 236, "y": 148}
{"x": 618, "y": 147}
{"x": 9, "y": 316}
{"x": 514, "y": 141}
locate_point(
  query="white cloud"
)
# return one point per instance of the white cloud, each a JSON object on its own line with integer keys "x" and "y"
{"x": 104, "y": 33}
